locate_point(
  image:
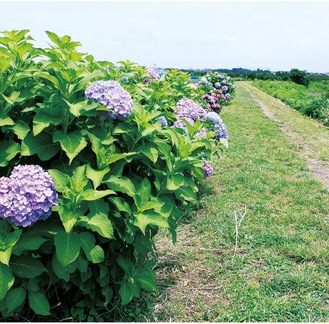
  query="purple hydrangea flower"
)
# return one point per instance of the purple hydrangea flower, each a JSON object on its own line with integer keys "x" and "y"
{"x": 221, "y": 131}
{"x": 111, "y": 95}
{"x": 202, "y": 133}
{"x": 151, "y": 74}
{"x": 27, "y": 195}
{"x": 187, "y": 108}
{"x": 208, "y": 169}
{"x": 224, "y": 88}
{"x": 228, "y": 96}
{"x": 217, "y": 85}
{"x": 213, "y": 117}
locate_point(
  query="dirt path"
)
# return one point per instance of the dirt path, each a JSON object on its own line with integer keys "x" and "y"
{"x": 319, "y": 169}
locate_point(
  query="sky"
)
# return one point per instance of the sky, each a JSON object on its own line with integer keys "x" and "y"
{"x": 273, "y": 35}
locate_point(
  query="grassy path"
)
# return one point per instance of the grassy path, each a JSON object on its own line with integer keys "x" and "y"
{"x": 257, "y": 248}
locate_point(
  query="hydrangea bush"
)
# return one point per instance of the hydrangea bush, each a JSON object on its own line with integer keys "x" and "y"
{"x": 91, "y": 166}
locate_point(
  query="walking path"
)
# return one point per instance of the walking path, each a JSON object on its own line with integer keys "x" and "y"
{"x": 298, "y": 129}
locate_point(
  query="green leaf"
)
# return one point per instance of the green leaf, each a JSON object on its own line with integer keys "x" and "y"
{"x": 94, "y": 253}
{"x": 42, "y": 120}
{"x": 120, "y": 204}
{"x": 144, "y": 192}
{"x": 91, "y": 194}
{"x": 77, "y": 107}
{"x": 39, "y": 303}
{"x": 67, "y": 247}
{"x": 60, "y": 271}
{"x": 41, "y": 145}
{"x": 21, "y": 129}
{"x": 150, "y": 152}
{"x": 61, "y": 180}
{"x": 71, "y": 143}
{"x": 96, "y": 176}
{"x": 6, "y": 280}
{"x": 126, "y": 293}
{"x": 153, "y": 218}
{"x": 78, "y": 181}
{"x": 28, "y": 243}
{"x": 98, "y": 223}
{"x": 68, "y": 218}
{"x": 5, "y": 120}
{"x": 146, "y": 282}
{"x": 175, "y": 181}
{"x": 8, "y": 151}
{"x": 26, "y": 267}
{"x": 121, "y": 184}
{"x": 5, "y": 256}
{"x": 15, "y": 298}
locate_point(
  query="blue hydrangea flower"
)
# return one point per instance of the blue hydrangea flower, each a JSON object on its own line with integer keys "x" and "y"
{"x": 213, "y": 117}
{"x": 111, "y": 95}
{"x": 208, "y": 169}
{"x": 228, "y": 96}
{"x": 27, "y": 195}
{"x": 187, "y": 108}
{"x": 217, "y": 85}
{"x": 221, "y": 131}
{"x": 163, "y": 121}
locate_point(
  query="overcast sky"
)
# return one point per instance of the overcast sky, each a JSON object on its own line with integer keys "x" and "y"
{"x": 275, "y": 35}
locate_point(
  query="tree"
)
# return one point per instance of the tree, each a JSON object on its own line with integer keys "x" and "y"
{"x": 299, "y": 77}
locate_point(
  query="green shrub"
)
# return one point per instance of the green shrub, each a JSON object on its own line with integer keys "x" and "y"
{"x": 118, "y": 180}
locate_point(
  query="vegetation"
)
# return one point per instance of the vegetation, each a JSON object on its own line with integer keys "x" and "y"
{"x": 256, "y": 250}
{"x": 311, "y": 100}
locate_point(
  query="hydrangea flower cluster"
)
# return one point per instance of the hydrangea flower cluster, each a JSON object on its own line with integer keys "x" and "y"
{"x": 213, "y": 100}
{"x": 188, "y": 109}
{"x": 163, "y": 121}
{"x": 213, "y": 117}
{"x": 221, "y": 131}
{"x": 208, "y": 169}
{"x": 27, "y": 195}
{"x": 151, "y": 74}
{"x": 111, "y": 95}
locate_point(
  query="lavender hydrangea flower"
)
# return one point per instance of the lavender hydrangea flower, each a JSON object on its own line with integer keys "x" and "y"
{"x": 213, "y": 117}
{"x": 225, "y": 88}
{"x": 202, "y": 133}
{"x": 217, "y": 85}
{"x": 187, "y": 108}
{"x": 208, "y": 169}
{"x": 111, "y": 95}
{"x": 228, "y": 96}
{"x": 151, "y": 74}
{"x": 221, "y": 131}
{"x": 27, "y": 195}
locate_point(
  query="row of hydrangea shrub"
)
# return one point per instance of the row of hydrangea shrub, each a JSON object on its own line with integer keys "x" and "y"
{"x": 95, "y": 158}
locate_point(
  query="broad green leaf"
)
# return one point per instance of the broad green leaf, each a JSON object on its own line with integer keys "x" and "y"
{"x": 94, "y": 253}
{"x": 60, "y": 271}
{"x": 187, "y": 194}
{"x": 28, "y": 243}
{"x": 71, "y": 143}
{"x": 175, "y": 181}
{"x": 6, "y": 280}
{"x": 98, "y": 223}
{"x": 5, "y": 255}
{"x": 126, "y": 293}
{"x": 60, "y": 179}
{"x": 5, "y": 120}
{"x": 146, "y": 282}
{"x": 121, "y": 184}
{"x": 120, "y": 204}
{"x": 39, "y": 303}
{"x": 41, "y": 145}
{"x": 77, "y": 107}
{"x": 91, "y": 194}
{"x": 78, "y": 181}
{"x": 96, "y": 176}
{"x": 144, "y": 191}
{"x": 8, "y": 151}
{"x": 150, "y": 152}
{"x": 42, "y": 120}
{"x": 116, "y": 157}
{"x": 153, "y": 218}
{"x": 152, "y": 204}
{"x": 21, "y": 129}
{"x": 15, "y": 298}
{"x": 9, "y": 240}
{"x": 68, "y": 218}
{"x": 67, "y": 247}
{"x": 26, "y": 267}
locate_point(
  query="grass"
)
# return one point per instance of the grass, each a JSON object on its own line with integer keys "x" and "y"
{"x": 276, "y": 268}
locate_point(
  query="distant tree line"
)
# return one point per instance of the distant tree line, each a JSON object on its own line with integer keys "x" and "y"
{"x": 295, "y": 75}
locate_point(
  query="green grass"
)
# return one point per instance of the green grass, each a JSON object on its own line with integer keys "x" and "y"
{"x": 278, "y": 268}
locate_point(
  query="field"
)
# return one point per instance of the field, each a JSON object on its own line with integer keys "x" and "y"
{"x": 257, "y": 248}
{"x": 311, "y": 100}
